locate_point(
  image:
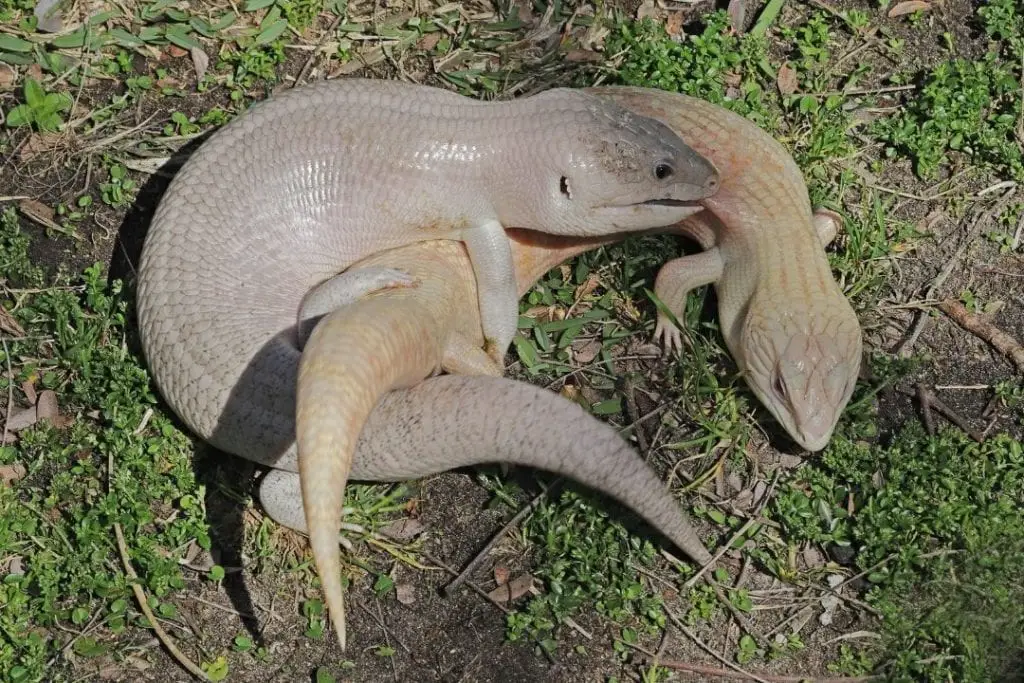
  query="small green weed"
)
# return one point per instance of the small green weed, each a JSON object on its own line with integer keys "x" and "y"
{"x": 702, "y": 66}
{"x": 41, "y": 109}
{"x": 56, "y": 519}
{"x": 15, "y": 265}
{"x": 939, "y": 522}
{"x": 120, "y": 188}
{"x": 967, "y": 107}
{"x": 585, "y": 558}
{"x": 970, "y": 108}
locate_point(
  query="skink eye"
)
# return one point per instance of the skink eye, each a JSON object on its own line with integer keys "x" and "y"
{"x": 663, "y": 170}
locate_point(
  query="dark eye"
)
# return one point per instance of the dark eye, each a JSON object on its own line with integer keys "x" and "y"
{"x": 663, "y": 170}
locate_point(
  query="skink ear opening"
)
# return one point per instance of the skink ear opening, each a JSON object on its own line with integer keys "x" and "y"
{"x": 779, "y": 386}
{"x": 563, "y": 186}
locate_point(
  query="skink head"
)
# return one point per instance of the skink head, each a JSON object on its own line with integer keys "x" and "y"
{"x": 803, "y": 365}
{"x": 618, "y": 171}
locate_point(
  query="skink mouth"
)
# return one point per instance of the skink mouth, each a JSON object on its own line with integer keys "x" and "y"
{"x": 691, "y": 203}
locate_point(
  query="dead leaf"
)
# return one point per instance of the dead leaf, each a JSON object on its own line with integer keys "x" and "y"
{"x": 587, "y": 352}
{"x": 107, "y": 670}
{"x": 674, "y": 24}
{"x": 147, "y": 165}
{"x": 47, "y": 409}
{"x": 647, "y": 9}
{"x": 34, "y": 71}
{"x": 29, "y": 389}
{"x": 7, "y": 76}
{"x": 46, "y": 406}
{"x": 36, "y": 210}
{"x": 525, "y": 12}
{"x": 813, "y": 558}
{"x": 48, "y": 15}
{"x": 200, "y": 62}
{"x": 513, "y": 590}
{"x": 175, "y": 51}
{"x": 583, "y": 56}
{"x": 168, "y": 83}
{"x": 993, "y": 307}
{"x": 38, "y": 144}
{"x": 429, "y": 41}
{"x": 760, "y": 488}
{"x": 11, "y": 473}
{"x": 9, "y": 325}
{"x": 23, "y": 419}
{"x": 405, "y": 593}
{"x": 404, "y": 529}
{"x": 542, "y": 313}
{"x": 572, "y": 393}
{"x": 909, "y": 7}
{"x": 138, "y": 663}
{"x": 589, "y": 285}
{"x": 737, "y": 10}
{"x": 501, "y": 574}
{"x": 789, "y": 462}
{"x": 15, "y": 565}
{"x": 787, "y": 80}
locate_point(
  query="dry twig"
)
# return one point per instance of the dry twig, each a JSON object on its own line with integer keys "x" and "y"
{"x": 140, "y": 596}
{"x": 903, "y": 349}
{"x": 981, "y": 328}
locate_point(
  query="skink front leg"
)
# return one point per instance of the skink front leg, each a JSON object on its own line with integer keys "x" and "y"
{"x": 675, "y": 280}
{"x": 490, "y": 252}
{"x": 827, "y": 224}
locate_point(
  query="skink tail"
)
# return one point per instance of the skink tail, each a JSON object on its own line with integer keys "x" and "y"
{"x": 461, "y": 421}
{"x": 332, "y": 402}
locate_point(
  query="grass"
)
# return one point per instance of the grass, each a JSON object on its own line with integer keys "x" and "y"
{"x": 932, "y": 523}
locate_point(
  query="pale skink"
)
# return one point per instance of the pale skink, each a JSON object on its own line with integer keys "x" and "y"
{"x": 783, "y": 316}
{"x": 779, "y": 337}
{"x": 284, "y": 198}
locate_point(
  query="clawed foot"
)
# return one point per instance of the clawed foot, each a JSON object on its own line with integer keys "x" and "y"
{"x": 668, "y": 336}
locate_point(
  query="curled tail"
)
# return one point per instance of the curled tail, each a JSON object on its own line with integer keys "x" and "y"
{"x": 450, "y": 421}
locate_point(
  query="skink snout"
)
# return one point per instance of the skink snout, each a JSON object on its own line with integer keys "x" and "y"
{"x": 814, "y": 431}
{"x": 712, "y": 184}
{"x": 706, "y": 178}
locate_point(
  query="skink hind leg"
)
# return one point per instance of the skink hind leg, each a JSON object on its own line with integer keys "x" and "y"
{"x": 675, "y": 280}
{"x": 342, "y": 290}
{"x": 280, "y": 495}
{"x": 490, "y": 252}
{"x": 462, "y": 357}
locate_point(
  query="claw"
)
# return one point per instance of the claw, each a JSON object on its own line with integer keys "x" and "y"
{"x": 668, "y": 335}
{"x": 343, "y": 541}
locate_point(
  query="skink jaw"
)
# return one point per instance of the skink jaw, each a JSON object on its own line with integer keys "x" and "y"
{"x": 672, "y": 202}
